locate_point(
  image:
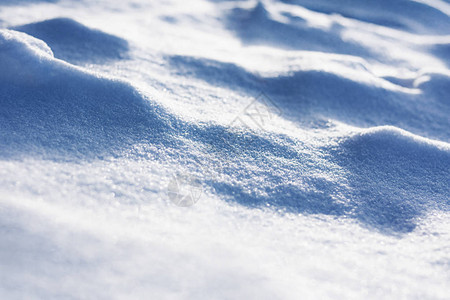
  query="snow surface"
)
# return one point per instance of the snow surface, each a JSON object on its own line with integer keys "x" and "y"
{"x": 340, "y": 189}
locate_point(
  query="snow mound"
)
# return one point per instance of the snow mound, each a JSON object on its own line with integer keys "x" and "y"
{"x": 384, "y": 177}
{"x": 29, "y": 47}
{"x": 49, "y": 105}
{"x": 256, "y": 27}
{"x": 395, "y": 176}
{"x": 76, "y": 43}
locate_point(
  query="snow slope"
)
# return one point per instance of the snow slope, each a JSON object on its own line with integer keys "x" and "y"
{"x": 314, "y": 136}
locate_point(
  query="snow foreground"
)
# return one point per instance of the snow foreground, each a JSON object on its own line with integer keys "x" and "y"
{"x": 224, "y": 149}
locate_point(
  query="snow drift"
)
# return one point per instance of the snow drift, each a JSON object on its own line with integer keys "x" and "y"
{"x": 317, "y": 133}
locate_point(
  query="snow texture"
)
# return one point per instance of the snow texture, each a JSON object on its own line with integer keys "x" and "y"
{"x": 317, "y": 134}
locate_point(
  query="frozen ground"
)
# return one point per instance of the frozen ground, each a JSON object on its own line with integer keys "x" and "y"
{"x": 312, "y": 137}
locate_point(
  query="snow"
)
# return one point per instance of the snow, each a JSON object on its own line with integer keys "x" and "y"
{"x": 83, "y": 44}
{"x": 224, "y": 149}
